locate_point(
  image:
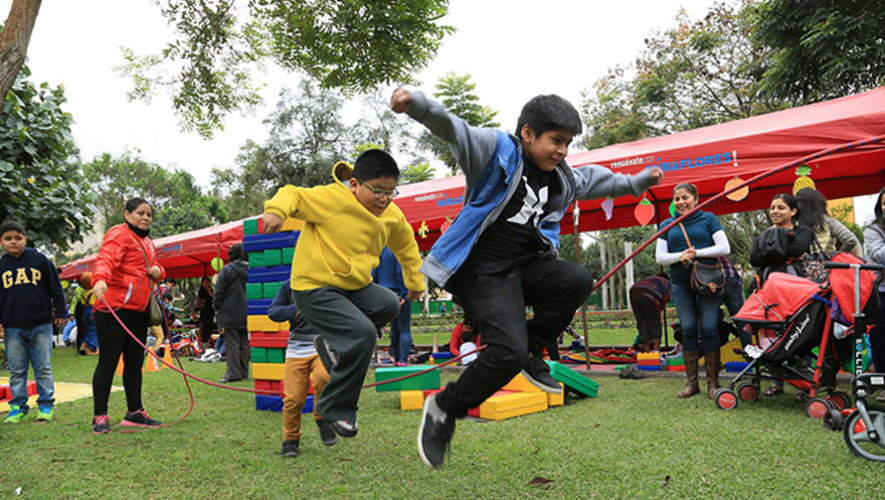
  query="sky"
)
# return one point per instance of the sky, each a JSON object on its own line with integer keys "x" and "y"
{"x": 513, "y": 50}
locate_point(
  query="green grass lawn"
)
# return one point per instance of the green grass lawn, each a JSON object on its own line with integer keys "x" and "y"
{"x": 636, "y": 440}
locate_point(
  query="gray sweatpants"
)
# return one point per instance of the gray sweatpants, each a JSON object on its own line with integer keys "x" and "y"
{"x": 348, "y": 321}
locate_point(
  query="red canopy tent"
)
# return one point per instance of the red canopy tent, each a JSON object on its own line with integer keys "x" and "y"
{"x": 709, "y": 157}
{"x": 185, "y": 255}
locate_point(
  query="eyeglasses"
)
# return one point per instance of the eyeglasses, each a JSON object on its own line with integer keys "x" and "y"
{"x": 380, "y": 193}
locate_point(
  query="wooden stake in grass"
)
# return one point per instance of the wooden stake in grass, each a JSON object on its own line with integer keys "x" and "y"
{"x": 435, "y": 345}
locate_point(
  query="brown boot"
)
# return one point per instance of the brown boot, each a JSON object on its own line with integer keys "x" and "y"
{"x": 643, "y": 346}
{"x": 713, "y": 366}
{"x": 655, "y": 344}
{"x": 691, "y": 375}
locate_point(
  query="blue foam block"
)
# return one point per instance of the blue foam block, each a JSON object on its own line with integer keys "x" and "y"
{"x": 257, "y": 307}
{"x": 268, "y": 403}
{"x": 255, "y": 242}
{"x": 269, "y": 274}
{"x": 308, "y": 405}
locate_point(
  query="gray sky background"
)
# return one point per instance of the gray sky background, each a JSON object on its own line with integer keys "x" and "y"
{"x": 513, "y": 50}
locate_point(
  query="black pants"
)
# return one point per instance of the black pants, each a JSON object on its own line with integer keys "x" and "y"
{"x": 497, "y": 304}
{"x": 648, "y": 315}
{"x": 237, "y": 352}
{"x": 113, "y": 341}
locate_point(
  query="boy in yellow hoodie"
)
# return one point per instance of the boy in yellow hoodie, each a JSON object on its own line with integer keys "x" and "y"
{"x": 346, "y": 226}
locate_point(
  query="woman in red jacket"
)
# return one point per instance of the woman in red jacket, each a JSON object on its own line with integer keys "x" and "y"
{"x": 125, "y": 270}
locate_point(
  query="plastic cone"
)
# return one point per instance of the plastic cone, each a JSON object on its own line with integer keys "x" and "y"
{"x": 167, "y": 355}
{"x": 151, "y": 364}
{"x": 120, "y": 366}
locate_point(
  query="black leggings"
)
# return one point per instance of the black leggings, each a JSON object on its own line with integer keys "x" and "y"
{"x": 112, "y": 341}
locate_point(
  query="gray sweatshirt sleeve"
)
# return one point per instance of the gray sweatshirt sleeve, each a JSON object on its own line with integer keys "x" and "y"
{"x": 472, "y": 146}
{"x": 874, "y": 240}
{"x": 596, "y": 181}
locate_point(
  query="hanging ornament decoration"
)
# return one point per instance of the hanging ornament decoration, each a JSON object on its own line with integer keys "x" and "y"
{"x": 608, "y": 205}
{"x": 672, "y": 209}
{"x": 422, "y": 229}
{"x": 445, "y": 225}
{"x": 804, "y": 181}
{"x": 216, "y": 264}
{"x": 741, "y": 193}
{"x": 65, "y": 284}
{"x": 644, "y": 211}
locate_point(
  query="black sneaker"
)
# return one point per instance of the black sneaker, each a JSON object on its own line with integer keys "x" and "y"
{"x": 139, "y": 418}
{"x": 344, "y": 428}
{"x": 327, "y": 433}
{"x": 327, "y": 355}
{"x": 101, "y": 424}
{"x": 290, "y": 448}
{"x": 435, "y": 433}
{"x": 537, "y": 372}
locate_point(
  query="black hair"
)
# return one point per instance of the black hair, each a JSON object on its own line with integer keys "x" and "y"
{"x": 373, "y": 164}
{"x": 691, "y": 188}
{"x": 880, "y": 217}
{"x": 134, "y": 203}
{"x": 791, "y": 202}
{"x": 812, "y": 208}
{"x": 235, "y": 252}
{"x": 549, "y": 112}
{"x": 170, "y": 280}
{"x": 11, "y": 225}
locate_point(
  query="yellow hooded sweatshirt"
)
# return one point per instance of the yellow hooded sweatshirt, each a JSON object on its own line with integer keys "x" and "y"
{"x": 341, "y": 241}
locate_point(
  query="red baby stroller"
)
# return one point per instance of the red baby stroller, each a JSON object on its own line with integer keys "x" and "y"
{"x": 800, "y": 315}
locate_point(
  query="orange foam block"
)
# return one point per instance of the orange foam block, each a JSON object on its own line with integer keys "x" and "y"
{"x": 520, "y": 384}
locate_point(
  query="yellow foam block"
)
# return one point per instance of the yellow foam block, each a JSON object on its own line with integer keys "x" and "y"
{"x": 654, "y": 355}
{"x": 513, "y": 405}
{"x": 520, "y": 384}
{"x": 292, "y": 224}
{"x": 411, "y": 400}
{"x": 556, "y": 399}
{"x": 727, "y": 354}
{"x": 64, "y": 391}
{"x": 263, "y": 323}
{"x": 267, "y": 371}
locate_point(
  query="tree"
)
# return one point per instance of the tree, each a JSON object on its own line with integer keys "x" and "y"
{"x": 822, "y": 48}
{"x": 14, "y": 39}
{"x": 178, "y": 202}
{"x": 455, "y": 93}
{"x": 353, "y": 46}
{"x": 40, "y": 185}
{"x": 419, "y": 172}
{"x": 696, "y": 74}
{"x": 307, "y": 137}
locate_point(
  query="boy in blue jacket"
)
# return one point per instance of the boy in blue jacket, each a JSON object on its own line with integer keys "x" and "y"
{"x": 30, "y": 292}
{"x": 499, "y": 255}
{"x": 303, "y": 366}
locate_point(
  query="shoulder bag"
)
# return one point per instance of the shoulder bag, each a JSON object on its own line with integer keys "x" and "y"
{"x": 154, "y": 311}
{"x": 811, "y": 264}
{"x": 706, "y": 279}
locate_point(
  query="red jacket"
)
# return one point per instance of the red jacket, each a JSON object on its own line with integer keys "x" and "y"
{"x": 456, "y": 340}
{"x": 122, "y": 263}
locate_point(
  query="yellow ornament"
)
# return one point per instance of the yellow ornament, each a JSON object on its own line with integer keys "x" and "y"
{"x": 804, "y": 181}
{"x": 216, "y": 264}
{"x": 423, "y": 229}
{"x": 65, "y": 284}
{"x": 741, "y": 193}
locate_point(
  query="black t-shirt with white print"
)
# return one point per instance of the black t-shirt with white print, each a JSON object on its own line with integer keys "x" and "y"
{"x": 515, "y": 237}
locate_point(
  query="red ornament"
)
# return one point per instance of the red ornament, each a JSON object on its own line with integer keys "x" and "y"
{"x": 644, "y": 212}
{"x": 445, "y": 225}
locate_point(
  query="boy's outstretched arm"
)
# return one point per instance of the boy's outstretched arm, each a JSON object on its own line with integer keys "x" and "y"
{"x": 595, "y": 181}
{"x": 472, "y": 146}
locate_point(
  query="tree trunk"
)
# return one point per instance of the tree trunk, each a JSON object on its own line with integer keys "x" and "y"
{"x": 14, "y": 40}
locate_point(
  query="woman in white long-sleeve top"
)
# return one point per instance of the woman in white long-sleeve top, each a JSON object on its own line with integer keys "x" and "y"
{"x": 698, "y": 314}
{"x": 874, "y": 241}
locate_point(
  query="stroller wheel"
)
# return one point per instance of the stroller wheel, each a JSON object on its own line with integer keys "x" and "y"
{"x": 833, "y": 420}
{"x": 747, "y": 391}
{"x": 858, "y": 438}
{"x": 839, "y": 400}
{"x": 726, "y": 399}
{"x": 817, "y": 407}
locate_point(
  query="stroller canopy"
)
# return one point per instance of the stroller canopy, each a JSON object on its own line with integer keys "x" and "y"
{"x": 842, "y": 283}
{"x": 782, "y": 296}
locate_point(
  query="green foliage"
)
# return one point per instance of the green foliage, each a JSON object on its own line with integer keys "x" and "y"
{"x": 353, "y": 46}
{"x": 179, "y": 203}
{"x": 40, "y": 185}
{"x": 307, "y": 137}
{"x": 823, "y": 48}
{"x": 455, "y": 93}
{"x": 416, "y": 173}
{"x": 695, "y": 74}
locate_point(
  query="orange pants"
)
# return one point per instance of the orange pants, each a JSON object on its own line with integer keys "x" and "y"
{"x": 296, "y": 374}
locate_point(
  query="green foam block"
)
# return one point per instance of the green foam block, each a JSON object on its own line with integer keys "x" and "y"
{"x": 254, "y": 291}
{"x": 574, "y": 381}
{"x": 259, "y": 354}
{"x": 276, "y": 355}
{"x": 425, "y": 381}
